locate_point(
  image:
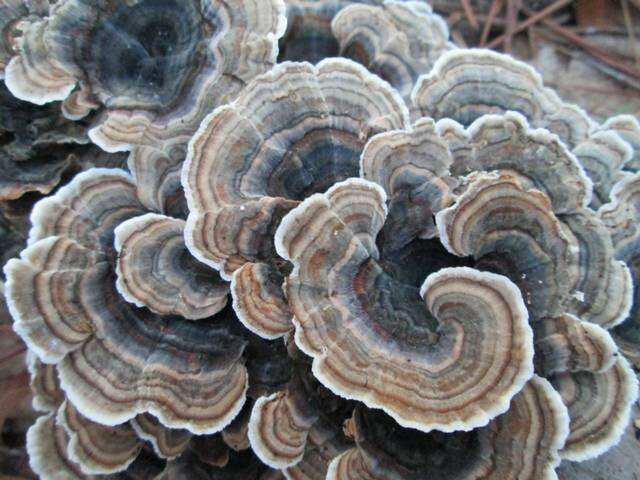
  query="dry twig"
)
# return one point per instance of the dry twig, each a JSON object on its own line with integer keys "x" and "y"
{"x": 496, "y": 6}
{"x": 593, "y": 50}
{"x": 471, "y": 15}
{"x": 536, "y": 17}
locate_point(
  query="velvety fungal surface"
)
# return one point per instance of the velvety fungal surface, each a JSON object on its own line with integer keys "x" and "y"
{"x": 116, "y": 360}
{"x": 499, "y": 450}
{"x": 304, "y": 240}
{"x": 156, "y": 66}
{"x": 396, "y": 40}
{"x": 446, "y": 355}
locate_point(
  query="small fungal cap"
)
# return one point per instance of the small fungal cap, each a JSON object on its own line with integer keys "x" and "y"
{"x": 155, "y": 270}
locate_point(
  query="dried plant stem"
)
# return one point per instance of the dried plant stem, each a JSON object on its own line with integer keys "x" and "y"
{"x": 513, "y": 10}
{"x": 593, "y": 50}
{"x": 628, "y": 21}
{"x": 536, "y": 17}
{"x": 496, "y": 6}
{"x": 471, "y": 15}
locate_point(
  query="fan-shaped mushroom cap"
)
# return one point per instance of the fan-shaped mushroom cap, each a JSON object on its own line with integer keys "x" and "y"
{"x": 605, "y": 284}
{"x": 181, "y": 58}
{"x": 259, "y": 301}
{"x": 166, "y": 442}
{"x": 44, "y": 383}
{"x": 292, "y": 132}
{"x": 523, "y": 443}
{"x": 622, "y": 217}
{"x": 116, "y": 361}
{"x": 603, "y": 156}
{"x": 98, "y": 449}
{"x": 412, "y": 166}
{"x": 567, "y": 344}
{"x": 466, "y": 84}
{"x": 372, "y": 337}
{"x": 628, "y": 127}
{"x": 507, "y": 142}
{"x": 155, "y": 269}
{"x": 396, "y": 40}
{"x": 599, "y": 407}
{"x": 280, "y": 423}
{"x": 510, "y": 229}
{"x": 48, "y": 455}
{"x": 279, "y": 427}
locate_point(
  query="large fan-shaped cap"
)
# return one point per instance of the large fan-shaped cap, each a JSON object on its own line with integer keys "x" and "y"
{"x": 180, "y": 58}
{"x": 599, "y": 407}
{"x": 523, "y": 443}
{"x": 451, "y": 364}
{"x": 155, "y": 270}
{"x": 293, "y": 132}
{"x": 512, "y": 230}
{"x": 116, "y": 361}
{"x": 466, "y": 84}
{"x": 396, "y": 40}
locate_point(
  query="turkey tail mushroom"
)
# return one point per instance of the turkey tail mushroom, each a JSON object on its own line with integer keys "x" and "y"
{"x": 465, "y": 84}
{"x": 443, "y": 369}
{"x": 396, "y": 40}
{"x": 155, "y": 270}
{"x": 182, "y": 58}
{"x": 114, "y": 360}
{"x": 523, "y": 443}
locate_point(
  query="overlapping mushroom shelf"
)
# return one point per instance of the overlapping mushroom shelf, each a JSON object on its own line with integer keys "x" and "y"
{"x": 413, "y": 261}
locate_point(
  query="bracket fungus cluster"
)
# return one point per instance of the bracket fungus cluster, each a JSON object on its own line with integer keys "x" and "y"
{"x": 154, "y": 66}
{"x": 382, "y": 258}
